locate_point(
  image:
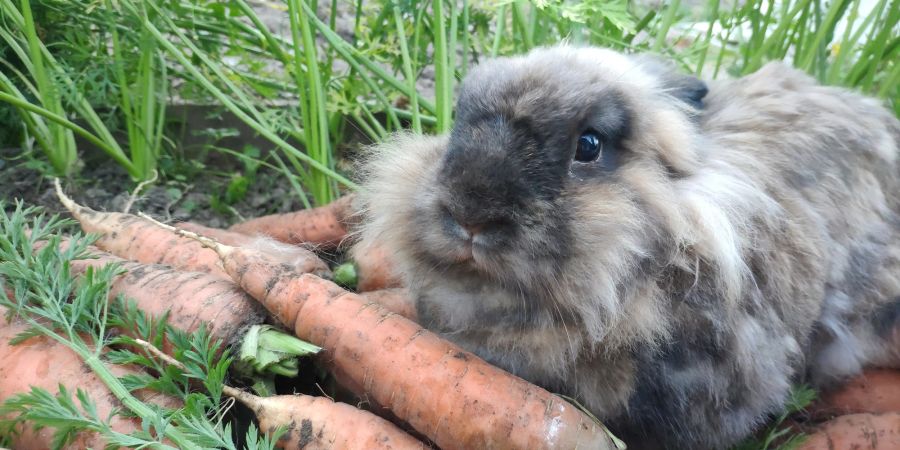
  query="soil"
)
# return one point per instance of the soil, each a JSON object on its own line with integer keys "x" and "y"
{"x": 106, "y": 187}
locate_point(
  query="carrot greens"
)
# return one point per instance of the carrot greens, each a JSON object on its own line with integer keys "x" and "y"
{"x": 76, "y": 312}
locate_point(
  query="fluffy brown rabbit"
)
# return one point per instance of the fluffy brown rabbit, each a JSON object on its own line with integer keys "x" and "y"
{"x": 674, "y": 259}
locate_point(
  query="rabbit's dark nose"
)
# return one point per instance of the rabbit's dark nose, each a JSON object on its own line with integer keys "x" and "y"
{"x": 471, "y": 228}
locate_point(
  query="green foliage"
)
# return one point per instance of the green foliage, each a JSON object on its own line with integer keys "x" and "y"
{"x": 240, "y": 182}
{"x": 266, "y": 350}
{"x": 52, "y": 84}
{"x": 143, "y": 89}
{"x": 778, "y": 435}
{"x": 309, "y": 100}
{"x": 37, "y": 77}
{"x": 68, "y": 417}
{"x": 76, "y": 313}
{"x": 346, "y": 275}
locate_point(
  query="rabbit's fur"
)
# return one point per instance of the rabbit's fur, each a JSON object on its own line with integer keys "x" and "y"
{"x": 730, "y": 245}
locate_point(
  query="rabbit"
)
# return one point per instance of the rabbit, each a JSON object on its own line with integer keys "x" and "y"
{"x": 672, "y": 253}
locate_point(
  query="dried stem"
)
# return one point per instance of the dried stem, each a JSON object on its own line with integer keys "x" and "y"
{"x": 222, "y": 249}
{"x": 137, "y": 190}
{"x": 70, "y": 204}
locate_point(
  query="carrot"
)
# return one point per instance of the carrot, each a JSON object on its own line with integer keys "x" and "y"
{"x": 444, "y": 392}
{"x": 320, "y": 423}
{"x": 325, "y": 226}
{"x": 858, "y": 432}
{"x": 315, "y": 422}
{"x": 232, "y": 238}
{"x": 137, "y": 239}
{"x": 42, "y": 362}
{"x": 191, "y": 298}
{"x": 874, "y": 391}
{"x": 374, "y": 267}
{"x": 395, "y": 300}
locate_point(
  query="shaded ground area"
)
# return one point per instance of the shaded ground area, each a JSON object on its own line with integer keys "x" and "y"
{"x": 106, "y": 187}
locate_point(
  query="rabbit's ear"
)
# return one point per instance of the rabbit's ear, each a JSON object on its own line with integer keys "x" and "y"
{"x": 686, "y": 88}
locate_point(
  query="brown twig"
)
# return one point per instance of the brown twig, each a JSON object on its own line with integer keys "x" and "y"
{"x": 137, "y": 190}
{"x": 219, "y": 248}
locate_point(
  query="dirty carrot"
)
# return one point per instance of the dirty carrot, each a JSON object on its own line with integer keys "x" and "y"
{"x": 137, "y": 239}
{"x": 325, "y": 227}
{"x": 314, "y": 422}
{"x": 395, "y": 300}
{"x": 232, "y": 238}
{"x": 321, "y": 423}
{"x": 446, "y": 393}
{"x": 857, "y": 431}
{"x": 874, "y": 391}
{"x": 190, "y": 298}
{"x": 45, "y": 363}
{"x": 374, "y": 267}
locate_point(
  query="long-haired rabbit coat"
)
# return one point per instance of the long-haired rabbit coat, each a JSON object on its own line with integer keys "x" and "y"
{"x": 598, "y": 224}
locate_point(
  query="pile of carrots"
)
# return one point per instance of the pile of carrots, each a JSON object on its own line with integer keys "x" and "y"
{"x": 229, "y": 280}
{"x": 446, "y": 396}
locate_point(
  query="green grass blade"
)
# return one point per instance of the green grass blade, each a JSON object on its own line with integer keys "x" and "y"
{"x": 53, "y": 117}
{"x": 407, "y": 69}
{"x": 443, "y": 90}
{"x": 826, "y": 28}
{"x": 667, "y": 21}
{"x": 226, "y": 101}
{"x": 501, "y": 28}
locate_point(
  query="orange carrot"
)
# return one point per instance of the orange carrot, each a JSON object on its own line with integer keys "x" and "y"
{"x": 374, "y": 267}
{"x": 315, "y": 422}
{"x": 444, "y": 392}
{"x": 137, "y": 239}
{"x": 191, "y": 298}
{"x": 324, "y": 227}
{"x": 857, "y": 432}
{"x": 395, "y": 300}
{"x": 874, "y": 391}
{"x": 232, "y": 238}
{"x": 42, "y": 362}
{"x": 320, "y": 423}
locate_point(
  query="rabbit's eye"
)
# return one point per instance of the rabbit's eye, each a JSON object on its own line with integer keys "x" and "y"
{"x": 588, "y": 147}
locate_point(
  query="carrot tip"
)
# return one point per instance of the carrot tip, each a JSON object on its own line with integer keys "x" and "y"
{"x": 70, "y": 204}
{"x": 247, "y": 399}
{"x": 219, "y": 248}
